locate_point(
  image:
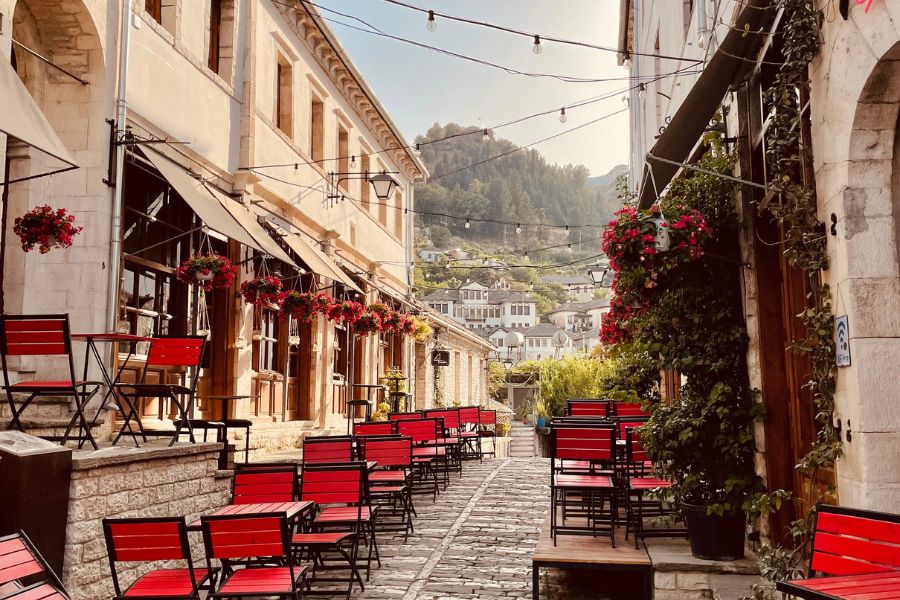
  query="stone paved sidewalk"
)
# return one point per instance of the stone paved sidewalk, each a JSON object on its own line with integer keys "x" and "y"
{"x": 476, "y": 541}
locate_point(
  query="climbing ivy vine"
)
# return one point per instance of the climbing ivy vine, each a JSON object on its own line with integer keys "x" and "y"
{"x": 794, "y": 207}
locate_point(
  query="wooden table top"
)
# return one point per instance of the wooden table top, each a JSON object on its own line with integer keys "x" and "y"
{"x": 291, "y": 509}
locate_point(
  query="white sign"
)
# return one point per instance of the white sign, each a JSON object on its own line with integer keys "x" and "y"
{"x": 842, "y": 341}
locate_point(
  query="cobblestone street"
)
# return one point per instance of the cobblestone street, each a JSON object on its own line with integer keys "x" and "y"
{"x": 476, "y": 541}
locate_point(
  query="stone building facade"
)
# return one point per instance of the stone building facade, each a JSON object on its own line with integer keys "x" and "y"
{"x": 218, "y": 91}
{"x": 852, "y": 121}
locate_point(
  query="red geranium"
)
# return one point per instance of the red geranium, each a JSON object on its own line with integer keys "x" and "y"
{"x": 368, "y": 323}
{"x": 304, "y": 305}
{"x": 347, "y": 312}
{"x": 209, "y": 271}
{"x": 262, "y": 290}
{"x": 45, "y": 228}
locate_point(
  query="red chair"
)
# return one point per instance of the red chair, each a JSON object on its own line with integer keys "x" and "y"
{"x": 327, "y": 449}
{"x": 428, "y": 451}
{"x": 626, "y": 409}
{"x": 246, "y": 538}
{"x": 450, "y": 440}
{"x": 149, "y": 541}
{"x": 391, "y": 482}
{"x": 487, "y": 428}
{"x": 469, "y": 419}
{"x": 594, "y": 444}
{"x": 38, "y": 591}
{"x": 44, "y": 336}
{"x": 22, "y": 565}
{"x": 368, "y": 429}
{"x": 167, "y": 353}
{"x": 255, "y": 485}
{"x": 404, "y": 416}
{"x": 587, "y": 407}
{"x": 340, "y": 492}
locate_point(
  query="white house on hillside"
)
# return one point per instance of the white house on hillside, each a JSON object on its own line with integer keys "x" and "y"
{"x": 578, "y": 316}
{"x": 480, "y": 308}
{"x": 579, "y": 288}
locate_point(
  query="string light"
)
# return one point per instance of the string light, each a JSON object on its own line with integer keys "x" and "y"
{"x": 485, "y": 137}
{"x": 467, "y": 225}
{"x": 568, "y": 232}
{"x": 518, "y": 228}
{"x": 562, "y": 115}
{"x": 642, "y": 91}
{"x": 536, "y": 48}
{"x": 353, "y": 162}
{"x": 431, "y": 25}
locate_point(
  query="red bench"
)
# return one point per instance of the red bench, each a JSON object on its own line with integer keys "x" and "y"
{"x": 858, "y": 551}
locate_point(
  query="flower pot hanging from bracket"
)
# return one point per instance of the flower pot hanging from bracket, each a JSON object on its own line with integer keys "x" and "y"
{"x": 662, "y": 241}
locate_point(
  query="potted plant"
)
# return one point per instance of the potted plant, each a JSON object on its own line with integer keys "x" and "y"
{"x": 210, "y": 271}
{"x": 304, "y": 305}
{"x": 262, "y": 290}
{"x": 421, "y": 329}
{"x": 367, "y": 324}
{"x": 345, "y": 312}
{"x": 46, "y": 228}
{"x": 540, "y": 414}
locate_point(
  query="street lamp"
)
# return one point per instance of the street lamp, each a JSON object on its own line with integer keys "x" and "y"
{"x": 384, "y": 185}
{"x": 598, "y": 272}
{"x": 507, "y": 364}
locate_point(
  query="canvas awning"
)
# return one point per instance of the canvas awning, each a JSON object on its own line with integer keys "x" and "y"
{"x": 21, "y": 118}
{"x": 201, "y": 200}
{"x": 248, "y": 221}
{"x": 318, "y": 261}
{"x": 731, "y": 61}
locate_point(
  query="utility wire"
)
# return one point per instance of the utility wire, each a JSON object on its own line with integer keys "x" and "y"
{"x": 532, "y": 35}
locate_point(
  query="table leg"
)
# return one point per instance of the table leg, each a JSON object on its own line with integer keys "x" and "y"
{"x": 535, "y": 582}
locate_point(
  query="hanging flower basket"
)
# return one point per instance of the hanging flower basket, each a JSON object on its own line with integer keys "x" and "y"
{"x": 379, "y": 309}
{"x": 346, "y": 312}
{"x": 262, "y": 290}
{"x": 367, "y": 324}
{"x": 46, "y": 228}
{"x": 304, "y": 305}
{"x": 421, "y": 329}
{"x": 210, "y": 271}
{"x": 398, "y": 322}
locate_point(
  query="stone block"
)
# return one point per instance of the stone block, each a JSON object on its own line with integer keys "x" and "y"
{"x": 692, "y": 581}
{"x": 870, "y": 248}
{"x": 874, "y": 307}
{"x": 872, "y": 400}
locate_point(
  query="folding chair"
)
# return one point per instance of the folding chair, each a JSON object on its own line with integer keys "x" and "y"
{"x": 327, "y": 449}
{"x": 587, "y": 407}
{"x": 244, "y": 538}
{"x": 450, "y": 438}
{"x": 405, "y": 416}
{"x": 166, "y": 352}
{"x": 273, "y": 483}
{"x": 368, "y": 429}
{"x": 22, "y": 565}
{"x": 625, "y": 409}
{"x": 487, "y": 428}
{"x": 340, "y": 492}
{"x": 638, "y": 480}
{"x": 469, "y": 418}
{"x": 150, "y": 541}
{"x": 427, "y": 452}
{"x": 45, "y": 335}
{"x": 593, "y": 444}
{"x": 391, "y": 482}
{"x": 329, "y": 485}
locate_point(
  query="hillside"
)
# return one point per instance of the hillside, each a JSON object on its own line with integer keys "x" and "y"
{"x": 521, "y": 186}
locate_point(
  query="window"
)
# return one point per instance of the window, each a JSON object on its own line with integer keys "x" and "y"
{"x": 265, "y": 340}
{"x": 284, "y": 96}
{"x": 215, "y": 32}
{"x": 343, "y": 152}
{"x": 163, "y": 12}
{"x": 317, "y": 131}
{"x": 398, "y": 215}
{"x": 527, "y": 310}
{"x": 364, "y": 185}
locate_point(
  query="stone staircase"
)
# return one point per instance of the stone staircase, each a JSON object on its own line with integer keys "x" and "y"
{"x": 522, "y": 441}
{"x": 49, "y": 416}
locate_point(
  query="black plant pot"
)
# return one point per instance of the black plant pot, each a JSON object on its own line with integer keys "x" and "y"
{"x": 715, "y": 537}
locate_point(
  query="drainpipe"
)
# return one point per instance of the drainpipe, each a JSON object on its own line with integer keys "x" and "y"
{"x": 115, "y": 245}
{"x": 702, "y": 29}
{"x": 636, "y": 103}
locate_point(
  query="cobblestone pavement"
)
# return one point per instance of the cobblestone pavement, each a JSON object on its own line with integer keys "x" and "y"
{"x": 476, "y": 541}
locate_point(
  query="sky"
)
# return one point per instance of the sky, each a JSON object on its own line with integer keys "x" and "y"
{"x": 419, "y": 87}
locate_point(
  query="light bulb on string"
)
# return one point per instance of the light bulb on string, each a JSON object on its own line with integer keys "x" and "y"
{"x": 468, "y": 224}
{"x": 518, "y": 228}
{"x": 353, "y": 162}
{"x": 567, "y": 230}
{"x": 625, "y": 100}
{"x": 642, "y": 91}
{"x": 431, "y": 25}
{"x": 562, "y": 115}
{"x": 485, "y": 136}
{"x": 569, "y": 247}
{"x": 536, "y": 48}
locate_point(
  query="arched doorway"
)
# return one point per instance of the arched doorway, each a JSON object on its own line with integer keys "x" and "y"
{"x": 74, "y": 280}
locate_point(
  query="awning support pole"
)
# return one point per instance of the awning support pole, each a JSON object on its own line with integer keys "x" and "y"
{"x": 708, "y": 172}
{"x": 115, "y": 245}
{"x": 46, "y": 60}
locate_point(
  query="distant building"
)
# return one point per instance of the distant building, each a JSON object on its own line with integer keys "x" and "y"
{"x": 431, "y": 255}
{"x": 578, "y": 287}
{"x": 539, "y": 342}
{"x": 579, "y": 316}
{"x": 480, "y": 308}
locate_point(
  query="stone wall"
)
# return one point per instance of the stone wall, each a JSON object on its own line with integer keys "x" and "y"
{"x": 138, "y": 482}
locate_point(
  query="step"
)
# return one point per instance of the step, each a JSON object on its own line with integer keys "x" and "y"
{"x": 46, "y": 407}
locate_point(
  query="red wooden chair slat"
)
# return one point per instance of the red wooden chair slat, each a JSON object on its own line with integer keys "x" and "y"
{"x": 469, "y": 415}
{"x": 332, "y": 449}
{"x": 149, "y": 541}
{"x": 390, "y": 452}
{"x": 487, "y": 417}
{"x": 39, "y": 591}
{"x": 626, "y": 409}
{"x": 407, "y": 416}
{"x": 587, "y": 407}
{"x": 272, "y": 484}
{"x": 373, "y": 428}
{"x": 19, "y": 559}
{"x": 450, "y": 417}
